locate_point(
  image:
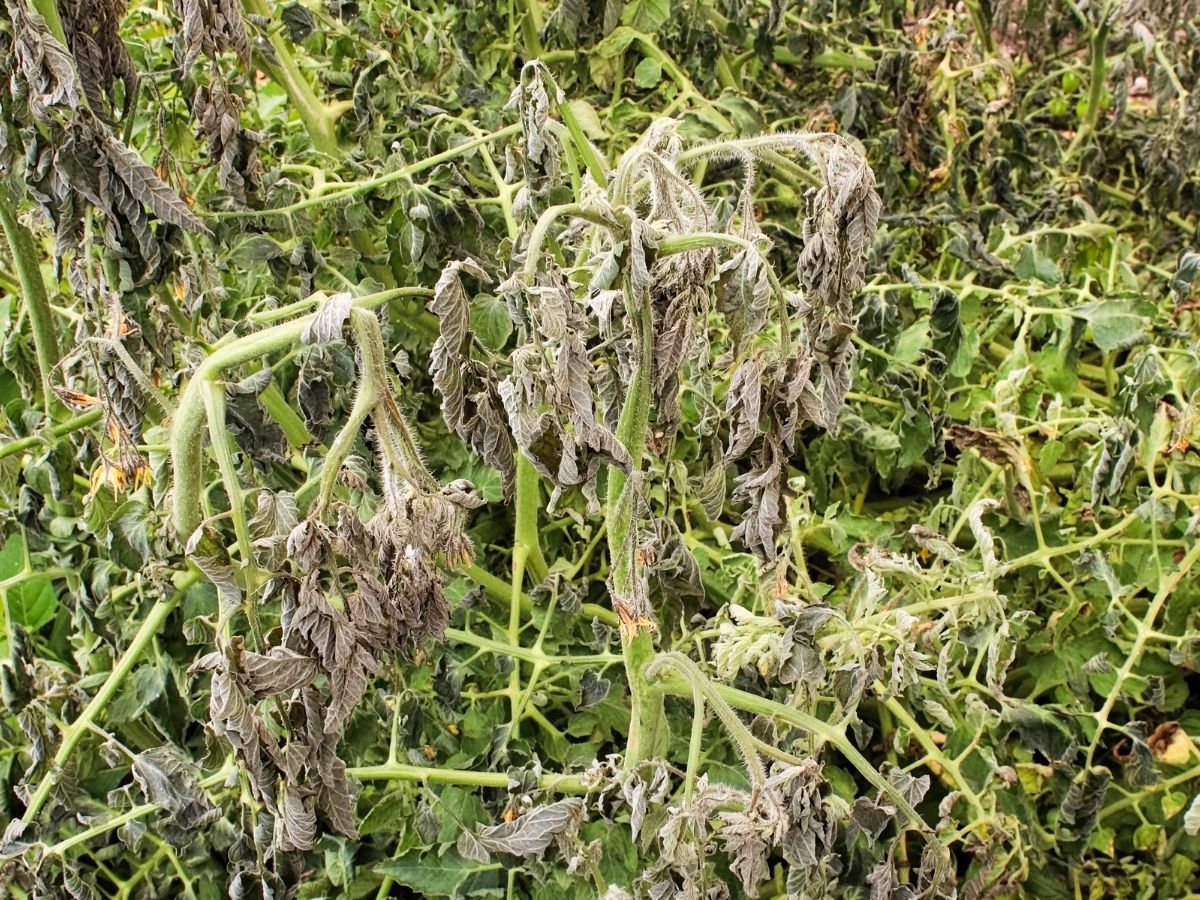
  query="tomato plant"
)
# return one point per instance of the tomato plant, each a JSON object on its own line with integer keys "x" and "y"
{"x": 665, "y": 448}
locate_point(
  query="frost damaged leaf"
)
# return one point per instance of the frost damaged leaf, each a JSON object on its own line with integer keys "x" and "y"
{"x": 278, "y": 671}
{"x": 532, "y": 833}
{"x": 168, "y": 781}
{"x": 348, "y": 683}
{"x": 210, "y": 27}
{"x": 209, "y": 555}
{"x": 869, "y": 819}
{"x": 1080, "y": 809}
{"x": 1191, "y": 818}
{"x": 593, "y": 688}
{"x": 43, "y": 63}
{"x": 296, "y": 825}
{"x": 148, "y": 189}
{"x": 12, "y": 845}
{"x": 471, "y": 404}
{"x": 452, "y": 307}
{"x": 326, "y": 326}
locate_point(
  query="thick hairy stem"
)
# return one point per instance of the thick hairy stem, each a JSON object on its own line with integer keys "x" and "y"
{"x": 74, "y": 732}
{"x": 37, "y": 302}
{"x": 701, "y": 686}
{"x": 531, "y": 26}
{"x": 541, "y": 230}
{"x": 1099, "y": 73}
{"x": 319, "y": 121}
{"x": 526, "y": 503}
{"x": 647, "y": 732}
{"x": 285, "y": 416}
{"x": 519, "y": 556}
{"x": 592, "y": 159}
{"x": 223, "y": 447}
{"x": 48, "y": 10}
{"x": 1098, "y": 52}
{"x": 187, "y": 434}
{"x": 364, "y": 401}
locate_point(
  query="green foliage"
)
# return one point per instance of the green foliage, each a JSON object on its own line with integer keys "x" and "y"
{"x": 665, "y": 448}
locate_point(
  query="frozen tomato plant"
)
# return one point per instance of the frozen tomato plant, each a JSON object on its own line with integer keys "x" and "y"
{"x": 659, "y": 449}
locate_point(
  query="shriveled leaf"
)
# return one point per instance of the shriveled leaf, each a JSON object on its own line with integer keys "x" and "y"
{"x": 326, "y": 325}
{"x": 532, "y": 833}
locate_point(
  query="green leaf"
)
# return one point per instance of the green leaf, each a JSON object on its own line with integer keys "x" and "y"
{"x": 490, "y": 321}
{"x": 1033, "y": 264}
{"x": 1103, "y": 840}
{"x": 1115, "y": 324}
{"x": 646, "y": 15}
{"x": 437, "y": 876}
{"x": 130, "y": 529}
{"x": 585, "y": 115}
{"x": 648, "y": 73}
{"x": 912, "y": 341}
{"x": 12, "y": 556}
{"x": 34, "y": 602}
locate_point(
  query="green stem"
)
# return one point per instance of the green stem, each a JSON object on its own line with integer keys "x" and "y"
{"x": 596, "y": 165}
{"x": 37, "y": 301}
{"x": 48, "y": 10}
{"x": 187, "y": 434}
{"x": 74, "y": 732}
{"x": 129, "y": 815}
{"x": 526, "y": 503}
{"x": 537, "y": 237}
{"x": 1145, "y": 633}
{"x": 390, "y": 771}
{"x": 520, "y": 554}
{"x": 499, "y": 589}
{"x": 830, "y": 734}
{"x": 703, "y": 688}
{"x": 694, "y": 747}
{"x": 528, "y": 654}
{"x": 83, "y": 420}
{"x": 648, "y": 735}
{"x": 562, "y": 784}
{"x": 285, "y": 416}
{"x": 365, "y": 399}
{"x": 934, "y": 752}
{"x": 222, "y": 441}
{"x": 285, "y": 71}
{"x": 344, "y": 191}
{"x": 1099, "y": 71}
{"x": 531, "y": 27}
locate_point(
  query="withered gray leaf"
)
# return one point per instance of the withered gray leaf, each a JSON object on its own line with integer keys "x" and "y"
{"x": 327, "y": 324}
{"x": 208, "y": 554}
{"x": 148, "y": 189}
{"x": 296, "y": 825}
{"x": 347, "y": 684}
{"x": 593, "y": 688}
{"x": 168, "y": 781}
{"x": 532, "y": 833}
{"x": 869, "y": 819}
{"x": 278, "y": 671}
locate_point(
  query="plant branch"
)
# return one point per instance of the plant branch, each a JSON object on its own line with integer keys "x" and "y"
{"x": 37, "y": 301}
{"x": 74, "y": 732}
{"x": 187, "y": 443}
{"x": 81, "y": 421}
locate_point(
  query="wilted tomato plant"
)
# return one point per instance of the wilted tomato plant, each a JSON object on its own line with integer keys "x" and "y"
{"x": 473, "y": 459}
